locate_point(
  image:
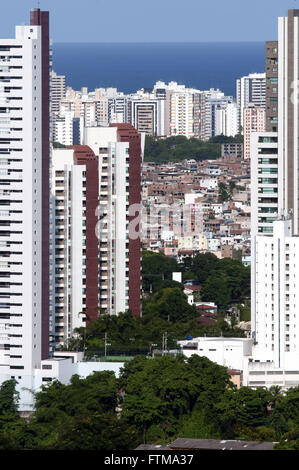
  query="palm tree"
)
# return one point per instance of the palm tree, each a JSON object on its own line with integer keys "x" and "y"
{"x": 277, "y": 395}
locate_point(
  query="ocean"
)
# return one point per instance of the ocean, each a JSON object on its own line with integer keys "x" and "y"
{"x": 131, "y": 66}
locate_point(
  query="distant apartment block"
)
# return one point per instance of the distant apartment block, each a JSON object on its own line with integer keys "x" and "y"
{"x": 58, "y": 91}
{"x": 226, "y": 119}
{"x": 67, "y": 128}
{"x": 250, "y": 89}
{"x": 264, "y": 182}
{"x": 232, "y": 150}
{"x": 199, "y": 116}
{"x": 271, "y": 86}
{"x": 181, "y": 114}
{"x": 254, "y": 121}
{"x": 148, "y": 116}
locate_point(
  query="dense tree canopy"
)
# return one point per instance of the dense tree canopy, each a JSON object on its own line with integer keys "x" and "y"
{"x": 216, "y": 289}
{"x": 154, "y": 400}
{"x": 166, "y": 309}
{"x": 127, "y": 334}
{"x": 175, "y": 149}
{"x": 223, "y": 280}
{"x": 178, "y": 148}
{"x": 170, "y": 304}
{"x": 157, "y": 271}
{"x": 81, "y": 415}
{"x": 224, "y": 139}
{"x": 161, "y": 391}
{"x": 224, "y": 192}
{"x": 78, "y": 416}
{"x": 203, "y": 265}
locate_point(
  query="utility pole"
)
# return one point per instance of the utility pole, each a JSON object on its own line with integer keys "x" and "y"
{"x": 106, "y": 344}
{"x": 164, "y": 343}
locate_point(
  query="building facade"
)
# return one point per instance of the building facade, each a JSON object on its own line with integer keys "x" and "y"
{"x": 274, "y": 231}
{"x": 277, "y": 269}
{"x": 250, "y": 89}
{"x": 271, "y": 86}
{"x": 74, "y": 245}
{"x": 264, "y": 182}
{"x": 226, "y": 119}
{"x": 24, "y": 199}
{"x": 254, "y": 120}
{"x": 58, "y": 90}
{"x": 288, "y": 112}
{"x": 119, "y": 150}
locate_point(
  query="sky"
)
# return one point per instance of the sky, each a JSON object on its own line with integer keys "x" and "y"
{"x": 152, "y": 20}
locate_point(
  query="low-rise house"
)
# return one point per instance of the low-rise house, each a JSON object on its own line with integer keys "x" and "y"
{"x": 230, "y": 352}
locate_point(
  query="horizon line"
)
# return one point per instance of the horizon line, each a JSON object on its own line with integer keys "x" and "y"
{"x": 157, "y": 42}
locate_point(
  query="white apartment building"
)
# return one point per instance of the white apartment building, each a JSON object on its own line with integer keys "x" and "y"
{"x": 276, "y": 326}
{"x": 227, "y": 119}
{"x": 21, "y": 204}
{"x": 220, "y": 114}
{"x": 185, "y": 109}
{"x": 58, "y": 91}
{"x": 118, "y": 108}
{"x": 25, "y": 224}
{"x": 274, "y": 257}
{"x": 147, "y": 115}
{"x": 68, "y": 244}
{"x": 265, "y": 185}
{"x": 264, "y": 198}
{"x": 181, "y": 113}
{"x": 250, "y": 89}
{"x": 66, "y": 128}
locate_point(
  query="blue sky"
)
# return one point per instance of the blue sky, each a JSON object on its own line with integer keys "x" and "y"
{"x": 152, "y": 20}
